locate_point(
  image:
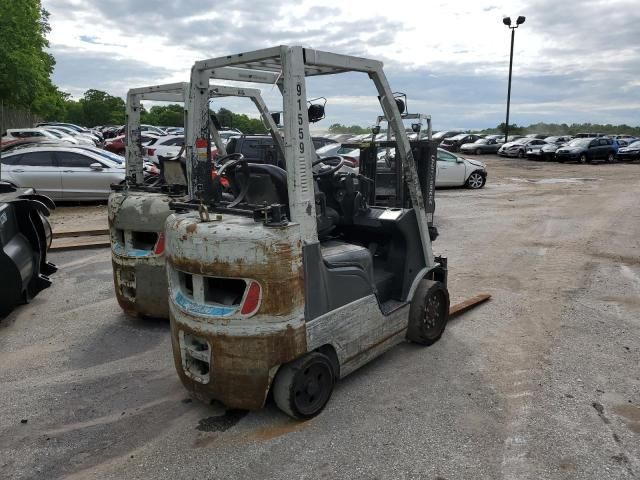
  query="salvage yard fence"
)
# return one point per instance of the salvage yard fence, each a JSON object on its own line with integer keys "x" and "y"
{"x": 15, "y": 118}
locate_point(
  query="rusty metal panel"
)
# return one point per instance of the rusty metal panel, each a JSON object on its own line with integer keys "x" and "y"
{"x": 358, "y": 331}
{"x": 270, "y": 256}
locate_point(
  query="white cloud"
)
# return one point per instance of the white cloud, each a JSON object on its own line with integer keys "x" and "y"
{"x": 574, "y": 60}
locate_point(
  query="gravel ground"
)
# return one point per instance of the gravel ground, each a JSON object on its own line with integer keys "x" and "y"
{"x": 542, "y": 382}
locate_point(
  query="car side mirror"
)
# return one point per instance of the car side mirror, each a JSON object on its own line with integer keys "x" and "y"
{"x": 459, "y": 160}
{"x": 95, "y": 166}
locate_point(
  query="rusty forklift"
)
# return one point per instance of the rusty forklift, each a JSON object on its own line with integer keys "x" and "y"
{"x": 289, "y": 280}
{"x": 137, "y": 211}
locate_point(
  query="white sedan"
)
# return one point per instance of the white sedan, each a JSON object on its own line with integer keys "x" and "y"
{"x": 456, "y": 171}
{"x": 63, "y": 173}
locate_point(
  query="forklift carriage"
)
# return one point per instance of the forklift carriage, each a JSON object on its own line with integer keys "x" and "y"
{"x": 294, "y": 279}
{"x": 137, "y": 212}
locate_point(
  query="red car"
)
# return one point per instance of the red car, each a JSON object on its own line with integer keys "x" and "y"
{"x": 117, "y": 144}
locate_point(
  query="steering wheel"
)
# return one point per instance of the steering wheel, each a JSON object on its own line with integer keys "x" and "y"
{"x": 330, "y": 171}
{"x": 230, "y": 162}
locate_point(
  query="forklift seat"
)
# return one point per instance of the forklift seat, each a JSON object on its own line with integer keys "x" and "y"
{"x": 337, "y": 254}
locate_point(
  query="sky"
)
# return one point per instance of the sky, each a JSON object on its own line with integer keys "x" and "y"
{"x": 574, "y": 60}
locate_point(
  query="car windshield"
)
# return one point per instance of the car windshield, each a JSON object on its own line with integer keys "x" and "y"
{"x": 482, "y": 141}
{"x": 579, "y": 142}
{"x": 522, "y": 141}
{"x": 635, "y": 144}
{"x": 458, "y": 137}
{"x": 551, "y": 139}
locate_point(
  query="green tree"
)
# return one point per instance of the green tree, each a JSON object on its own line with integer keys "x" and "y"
{"x": 25, "y": 68}
{"x": 167, "y": 115}
{"x": 353, "y": 129}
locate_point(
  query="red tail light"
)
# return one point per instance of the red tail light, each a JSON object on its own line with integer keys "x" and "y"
{"x": 158, "y": 249}
{"x": 151, "y": 152}
{"x": 351, "y": 161}
{"x": 252, "y": 299}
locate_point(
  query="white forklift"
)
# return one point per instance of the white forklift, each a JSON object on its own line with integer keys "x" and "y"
{"x": 137, "y": 211}
{"x": 290, "y": 279}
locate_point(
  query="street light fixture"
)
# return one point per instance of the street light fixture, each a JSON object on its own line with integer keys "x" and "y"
{"x": 507, "y": 21}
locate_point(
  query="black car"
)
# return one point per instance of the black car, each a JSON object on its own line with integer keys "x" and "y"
{"x": 454, "y": 143}
{"x": 631, "y": 152}
{"x": 545, "y": 152}
{"x": 587, "y": 150}
{"x": 256, "y": 149}
{"x": 482, "y": 145}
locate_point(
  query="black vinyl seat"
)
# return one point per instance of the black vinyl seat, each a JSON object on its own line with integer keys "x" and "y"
{"x": 338, "y": 254}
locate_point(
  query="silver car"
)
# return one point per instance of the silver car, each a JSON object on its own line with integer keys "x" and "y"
{"x": 62, "y": 173}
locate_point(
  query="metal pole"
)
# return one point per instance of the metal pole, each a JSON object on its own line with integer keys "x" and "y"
{"x": 506, "y": 127}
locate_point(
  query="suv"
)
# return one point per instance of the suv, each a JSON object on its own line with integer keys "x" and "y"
{"x": 587, "y": 150}
{"x": 256, "y": 149}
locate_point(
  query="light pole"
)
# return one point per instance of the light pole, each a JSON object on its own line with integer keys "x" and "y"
{"x": 507, "y": 21}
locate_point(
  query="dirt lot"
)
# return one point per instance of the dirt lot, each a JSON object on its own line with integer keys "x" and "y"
{"x": 543, "y": 382}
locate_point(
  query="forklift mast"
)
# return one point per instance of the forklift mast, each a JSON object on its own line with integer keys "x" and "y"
{"x": 180, "y": 92}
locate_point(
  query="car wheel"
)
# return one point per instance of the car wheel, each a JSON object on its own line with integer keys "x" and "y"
{"x": 583, "y": 158}
{"x": 478, "y": 152}
{"x": 303, "y": 387}
{"x": 520, "y": 153}
{"x": 475, "y": 181}
{"x": 429, "y": 312}
{"x": 611, "y": 158}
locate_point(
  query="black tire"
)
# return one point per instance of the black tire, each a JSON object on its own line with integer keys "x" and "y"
{"x": 520, "y": 153}
{"x": 428, "y": 313}
{"x": 583, "y": 159}
{"x": 475, "y": 181}
{"x": 611, "y": 158}
{"x": 303, "y": 387}
{"x": 478, "y": 151}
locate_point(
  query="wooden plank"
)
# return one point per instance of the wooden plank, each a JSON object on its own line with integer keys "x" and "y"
{"x": 460, "y": 308}
{"x": 75, "y": 243}
{"x": 80, "y": 233}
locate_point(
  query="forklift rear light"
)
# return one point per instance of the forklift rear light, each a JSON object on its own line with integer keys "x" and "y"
{"x": 252, "y": 299}
{"x": 351, "y": 161}
{"x": 158, "y": 249}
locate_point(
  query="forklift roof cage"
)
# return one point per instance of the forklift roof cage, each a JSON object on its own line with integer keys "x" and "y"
{"x": 179, "y": 92}
{"x": 287, "y": 66}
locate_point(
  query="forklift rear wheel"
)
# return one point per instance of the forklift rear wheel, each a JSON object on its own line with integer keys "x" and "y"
{"x": 429, "y": 312}
{"x": 303, "y": 387}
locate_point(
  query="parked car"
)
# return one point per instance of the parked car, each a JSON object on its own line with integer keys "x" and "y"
{"x": 319, "y": 142}
{"x": 27, "y": 142}
{"x": 454, "y": 143}
{"x": 482, "y": 145}
{"x": 117, "y": 144}
{"x": 20, "y": 133}
{"x": 630, "y": 152}
{"x": 518, "y": 148}
{"x": 166, "y": 146}
{"x": 539, "y": 136}
{"x": 456, "y": 171}
{"x": 558, "y": 140}
{"x": 444, "y": 134}
{"x": 587, "y": 150}
{"x": 96, "y": 135}
{"x": 82, "y": 138}
{"x": 588, "y": 135}
{"x": 352, "y": 155}
{"x": 545, "y": 152}
{"x": 62, "y": 173}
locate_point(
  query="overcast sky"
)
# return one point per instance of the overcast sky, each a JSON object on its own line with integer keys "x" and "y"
{"x": 574, "y": 60}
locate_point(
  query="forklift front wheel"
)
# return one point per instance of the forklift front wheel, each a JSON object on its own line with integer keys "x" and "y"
{"x": 429, "y": 312}
{"x": 303, "y": 387}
